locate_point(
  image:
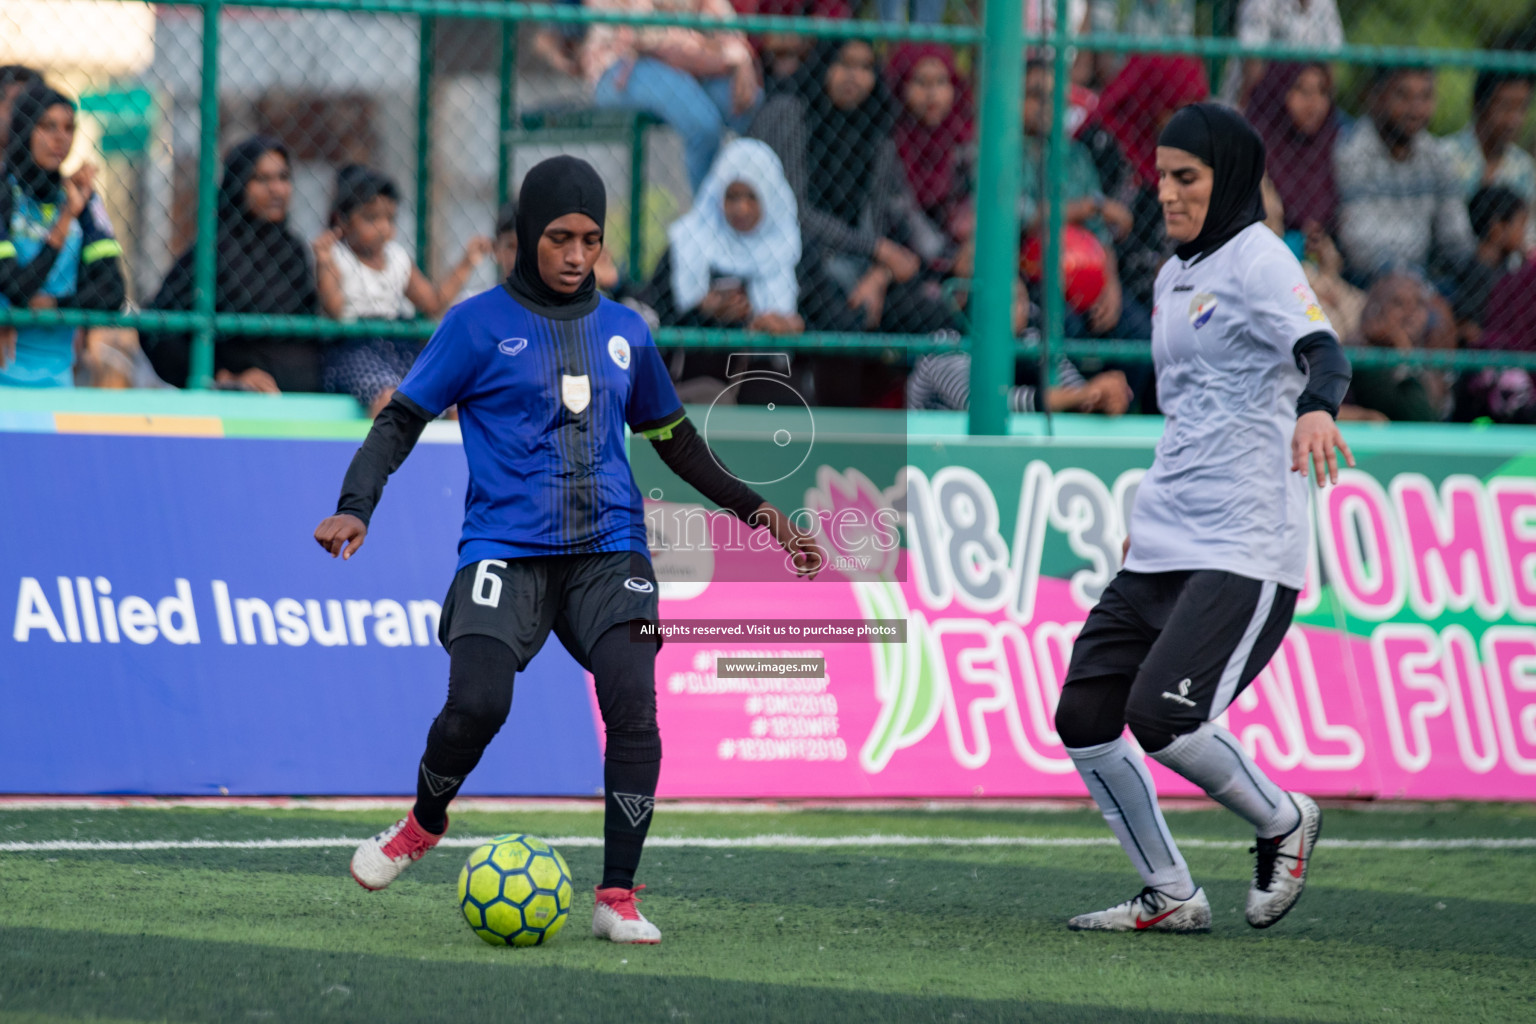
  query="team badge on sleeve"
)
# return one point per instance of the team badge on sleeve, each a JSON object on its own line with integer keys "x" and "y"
{"x": 1309, "y": 305}
{"x": 618, "y": 351}
{"x": 575, "y": 392}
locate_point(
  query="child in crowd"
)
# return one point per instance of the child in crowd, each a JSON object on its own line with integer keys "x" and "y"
{"x": 1403, "y": 312}
{"x": 1498, "y": 217}
{"x": 362, "y": 272}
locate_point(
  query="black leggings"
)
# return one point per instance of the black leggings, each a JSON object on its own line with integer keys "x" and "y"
{"x": 480, "y": 677}
{"x": 480, "y": 682}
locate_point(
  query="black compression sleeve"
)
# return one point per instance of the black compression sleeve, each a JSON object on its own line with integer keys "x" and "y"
{"x": 19, "y": 284}
{"x": 687, "y": 455}
{"x": 394, "y": 434}
{"x": 1322, "y": 359}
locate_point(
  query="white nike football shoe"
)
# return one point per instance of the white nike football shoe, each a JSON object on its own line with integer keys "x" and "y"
{"x": 1280, "y": 870}
{"x": 617, "y": 919}
{"x": 381, "y": 859}
{"x": 1149, "y": 911}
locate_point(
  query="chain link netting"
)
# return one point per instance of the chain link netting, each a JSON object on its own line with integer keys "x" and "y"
{"x": 807, "y": 192}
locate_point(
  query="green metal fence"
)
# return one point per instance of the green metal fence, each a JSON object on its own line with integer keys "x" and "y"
{"x": 999, "y": 43}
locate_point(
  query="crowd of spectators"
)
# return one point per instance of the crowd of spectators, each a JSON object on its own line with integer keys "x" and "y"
{"x": 832, "y": 190}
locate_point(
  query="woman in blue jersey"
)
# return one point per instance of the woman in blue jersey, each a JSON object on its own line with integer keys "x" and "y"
{"x": 56, "y": 244}
{"x": 1250, "y": 375}
{"x": 546, "y": 375}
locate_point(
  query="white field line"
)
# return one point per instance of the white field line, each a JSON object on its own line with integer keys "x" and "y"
{"x": 499, "y": 804}
{"x": 772, "y": 841}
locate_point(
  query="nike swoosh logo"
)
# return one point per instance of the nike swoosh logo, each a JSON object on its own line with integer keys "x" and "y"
{"x": 1140, "y": 924}
{"x": 1301, "y": 862}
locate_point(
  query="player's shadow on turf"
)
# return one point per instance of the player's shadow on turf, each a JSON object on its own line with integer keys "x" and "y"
{"x": 144, "y": 977}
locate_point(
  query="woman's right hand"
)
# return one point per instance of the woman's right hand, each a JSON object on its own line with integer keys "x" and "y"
{"x": 728, "y": 307}
{"x": 78, "y": 189}
{"x": 902, "y": 262}
{"x": 335, "y": 533}
{"x": 254, "y": 379}
{"x": 1118, "y": 217}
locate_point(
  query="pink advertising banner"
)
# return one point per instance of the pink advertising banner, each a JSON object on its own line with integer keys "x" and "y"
{"x": 1410, "y": 671}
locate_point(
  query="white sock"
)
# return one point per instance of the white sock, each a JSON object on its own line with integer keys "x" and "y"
{"x": 1122, "y": 787}
{"x": 1212, "y": 759}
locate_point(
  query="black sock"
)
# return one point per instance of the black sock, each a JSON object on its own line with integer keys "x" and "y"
{"x": 631, "y": 796}
{"x": 625, "y": 675}
{"x": 442, "y": 771}
{"x": 480, "y": 677}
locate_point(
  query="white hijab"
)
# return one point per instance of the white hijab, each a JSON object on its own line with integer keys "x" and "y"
{"x": 704, "y": 244}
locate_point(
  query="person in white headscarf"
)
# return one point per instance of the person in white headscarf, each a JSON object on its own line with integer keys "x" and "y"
{"x": 733, "y": 256}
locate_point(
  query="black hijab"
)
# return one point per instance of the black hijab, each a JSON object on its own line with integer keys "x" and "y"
{"x": 262, "y": 266}
{"x": 1228, "y": 144}
{"x": 842, "y": 146}
{"x": 31, "y": 104}
{"x": 554, "y": 188}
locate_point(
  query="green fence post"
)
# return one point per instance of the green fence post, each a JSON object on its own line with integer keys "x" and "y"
{"x": 205, "y": 268}
{"x": 1054, "y": 290}
{"x": 997, "y": 217}
{"x": 506, "y": 107}
{"x": 636, "y": 199}
{"x": 425, "y": 59}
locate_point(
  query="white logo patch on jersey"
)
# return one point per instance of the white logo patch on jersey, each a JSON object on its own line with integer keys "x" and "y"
{"x": 575, "y": 392}
{"x": 639, "y": 586}
{"x": 618, "y": 351}
{"x": 1201, "y": 308}
{"x": 511, "y": 346}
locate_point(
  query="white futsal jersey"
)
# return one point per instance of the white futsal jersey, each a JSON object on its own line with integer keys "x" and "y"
{"x": 1220, "y": 494}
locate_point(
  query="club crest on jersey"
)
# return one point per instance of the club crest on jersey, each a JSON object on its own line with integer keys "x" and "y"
{"x": 1201, "y": 309}
{"x": 575, "y": 392}
{"x": 511, "y": 346}
{"x": 618, "y": 351}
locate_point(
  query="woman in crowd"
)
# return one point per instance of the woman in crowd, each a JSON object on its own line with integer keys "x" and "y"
{"x": 56, "y": 246}
{"x": 1122, "y": 135}
{"x": 934, "y": 132}
{"x": 732, "y": 257}
{"x": 1292, "y": 108}
{"x": 262, "y": 268}
{"x": 866, "y": 241}
{"x": 832, "y": 134}
{"x": 732, "y": 262}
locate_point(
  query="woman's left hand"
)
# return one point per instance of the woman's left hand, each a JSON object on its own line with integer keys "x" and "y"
{"x": 1317, "y": 435}
{"x": 869, "y": 295}
{"x": 805, "y": 554}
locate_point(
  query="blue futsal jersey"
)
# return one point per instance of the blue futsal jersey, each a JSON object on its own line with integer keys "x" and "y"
{"x": 542, "y": 407}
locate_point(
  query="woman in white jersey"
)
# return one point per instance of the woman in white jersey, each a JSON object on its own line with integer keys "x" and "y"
{"x": 1250, "y": 375}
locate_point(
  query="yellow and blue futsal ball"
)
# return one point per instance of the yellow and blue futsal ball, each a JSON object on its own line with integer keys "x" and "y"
{"x": 515, "y": 891}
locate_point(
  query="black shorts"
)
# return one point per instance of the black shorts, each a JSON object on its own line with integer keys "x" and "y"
{"x": 519, "y": 600}
{"x": 1185, "y": 643}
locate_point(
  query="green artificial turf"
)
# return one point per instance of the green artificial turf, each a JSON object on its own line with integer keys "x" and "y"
{"x": 919, "y": 933}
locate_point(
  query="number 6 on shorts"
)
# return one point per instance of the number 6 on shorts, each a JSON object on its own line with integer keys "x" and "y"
{"x": 487, "y": 586}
